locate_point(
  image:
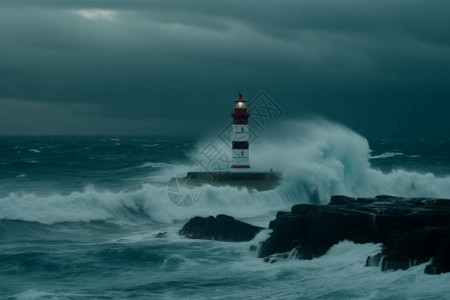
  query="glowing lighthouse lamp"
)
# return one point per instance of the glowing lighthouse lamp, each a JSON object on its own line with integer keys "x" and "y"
{"x": 240, "y": 135}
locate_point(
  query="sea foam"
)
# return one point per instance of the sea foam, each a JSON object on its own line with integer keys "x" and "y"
{"x": 320, "y": 159}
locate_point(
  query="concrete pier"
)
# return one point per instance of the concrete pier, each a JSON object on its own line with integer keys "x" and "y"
{"x": 260, "y": 181}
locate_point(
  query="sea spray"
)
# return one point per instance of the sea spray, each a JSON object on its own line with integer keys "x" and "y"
{"x": 150, "y": 202}
{"x": 319, "y": 158}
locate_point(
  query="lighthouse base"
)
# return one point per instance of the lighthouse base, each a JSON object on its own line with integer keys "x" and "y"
{"x": 261, "y": 181}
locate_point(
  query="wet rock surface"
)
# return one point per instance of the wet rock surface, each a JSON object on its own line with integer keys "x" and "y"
{"x": 412, "y": 230}
{"x": 221, "y": 228}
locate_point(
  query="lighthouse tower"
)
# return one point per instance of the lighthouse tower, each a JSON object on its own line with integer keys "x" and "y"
{"x": 240, "y": 135}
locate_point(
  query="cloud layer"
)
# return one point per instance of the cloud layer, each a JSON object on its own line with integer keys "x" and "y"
{"x": 170, "y": 67}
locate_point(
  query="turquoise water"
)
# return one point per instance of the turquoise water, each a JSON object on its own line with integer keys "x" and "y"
{"x": 90, "y": 217}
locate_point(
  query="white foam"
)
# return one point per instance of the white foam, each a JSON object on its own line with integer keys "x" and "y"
{"x": 339, "y": 274}
{"x": 155, "y": 165}
{"x": 386, "y": 155}
{"x": 319, "y": 159}
{"x": 150, "y": 201}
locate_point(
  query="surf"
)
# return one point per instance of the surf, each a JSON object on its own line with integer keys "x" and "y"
{"x": 318, "y": 159}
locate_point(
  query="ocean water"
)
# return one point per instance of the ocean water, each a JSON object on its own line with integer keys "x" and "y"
{"x": 90, "y": 217}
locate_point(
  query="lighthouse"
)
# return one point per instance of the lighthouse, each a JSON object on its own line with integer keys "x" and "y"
{"x": 240, "y": 175}
{"x": 240, "y": 135}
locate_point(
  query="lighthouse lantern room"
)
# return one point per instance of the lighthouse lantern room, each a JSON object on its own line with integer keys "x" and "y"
{"x": 240, "y": 135}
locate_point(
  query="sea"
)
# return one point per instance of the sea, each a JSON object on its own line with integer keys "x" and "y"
{"x": 94, "y": 217}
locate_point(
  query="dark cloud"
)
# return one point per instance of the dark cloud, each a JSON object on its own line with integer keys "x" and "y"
{"x": 167, "y": 67}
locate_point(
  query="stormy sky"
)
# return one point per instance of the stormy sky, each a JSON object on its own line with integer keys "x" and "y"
{"x": 379, "y": 67}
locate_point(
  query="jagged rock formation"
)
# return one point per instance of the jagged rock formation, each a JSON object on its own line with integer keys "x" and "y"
{"x": 412, "y": 231}
{"x": 221, "y": 228}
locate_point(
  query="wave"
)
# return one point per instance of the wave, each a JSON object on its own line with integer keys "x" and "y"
{"x": 386, "y": 155}
{"x": 318, "y": 159}
{"x": 151, "y": 202}
{"x": 155, "y": 165}
{"x": 392, "y": 154}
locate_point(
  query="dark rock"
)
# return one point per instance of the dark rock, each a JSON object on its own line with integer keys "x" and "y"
{"x": 338, "y": 199}
{"x": 221, "y": 228}
{"x": 374, "y": 261}
{"x": 413, "y": 231}
{"x": 160, "y": 235}
{"x": 276, "y": 257}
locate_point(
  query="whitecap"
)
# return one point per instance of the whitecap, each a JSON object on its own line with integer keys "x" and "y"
{"x": 386, "y": 155}
{"x": 155, "y": 165}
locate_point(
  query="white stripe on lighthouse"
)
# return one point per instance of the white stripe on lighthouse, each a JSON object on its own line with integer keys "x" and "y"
{"x": 239, "y": 133}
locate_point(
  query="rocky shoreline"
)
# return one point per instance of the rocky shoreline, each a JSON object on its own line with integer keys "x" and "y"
{"x": 412, "y": 230}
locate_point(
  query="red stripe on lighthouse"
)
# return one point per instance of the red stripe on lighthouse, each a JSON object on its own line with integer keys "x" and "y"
{"x": 240, "y": 116}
